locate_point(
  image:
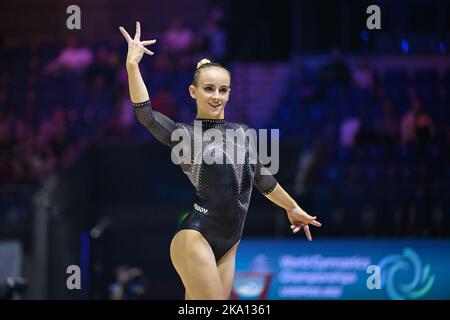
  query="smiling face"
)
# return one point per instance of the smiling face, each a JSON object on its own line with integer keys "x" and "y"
{"x": 211, "y": 92}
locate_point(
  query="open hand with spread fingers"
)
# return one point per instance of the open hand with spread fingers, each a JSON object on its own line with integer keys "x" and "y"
{"x": 300, "y": 219}
{"x": 136, "y": 47}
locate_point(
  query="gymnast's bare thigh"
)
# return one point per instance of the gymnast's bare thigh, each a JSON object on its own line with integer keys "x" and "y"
{"x": 195, "y": 263}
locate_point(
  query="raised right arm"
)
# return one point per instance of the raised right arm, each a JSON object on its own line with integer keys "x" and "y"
{"x": 158, "y": 124}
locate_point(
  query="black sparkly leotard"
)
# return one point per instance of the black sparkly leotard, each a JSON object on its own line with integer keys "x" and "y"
{"x": 223, "y": 190}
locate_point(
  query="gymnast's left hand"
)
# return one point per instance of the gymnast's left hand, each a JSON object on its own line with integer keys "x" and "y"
{"x": 300, "y": 219}
{"x": 136, "y": 47}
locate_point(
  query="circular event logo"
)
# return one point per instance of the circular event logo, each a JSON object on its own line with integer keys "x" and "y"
{"x": 395, "y": 267}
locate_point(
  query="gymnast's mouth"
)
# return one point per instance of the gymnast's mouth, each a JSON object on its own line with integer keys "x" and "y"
{"x": 218, "y": 106}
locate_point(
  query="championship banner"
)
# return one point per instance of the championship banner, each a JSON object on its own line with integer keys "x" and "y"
{"x": 362, "y": 269}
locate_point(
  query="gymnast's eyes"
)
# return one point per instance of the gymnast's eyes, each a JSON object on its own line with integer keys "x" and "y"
{"x": 222, "y": 90}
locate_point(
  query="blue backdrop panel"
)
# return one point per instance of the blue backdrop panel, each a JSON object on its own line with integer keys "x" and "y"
{"x": 408, "y": 269}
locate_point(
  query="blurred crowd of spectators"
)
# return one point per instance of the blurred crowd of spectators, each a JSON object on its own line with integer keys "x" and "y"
{"x": 383, "y": 145}
{"x": 57, "y": 101}
{"x": 54, "y": 102}
{"x": 394, "y": 108}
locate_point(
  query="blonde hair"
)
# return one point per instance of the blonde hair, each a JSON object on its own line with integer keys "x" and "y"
{"x": 203, "y": 64}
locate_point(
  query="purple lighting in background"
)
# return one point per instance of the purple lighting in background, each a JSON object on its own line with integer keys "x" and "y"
{"x": 352, "y": 145}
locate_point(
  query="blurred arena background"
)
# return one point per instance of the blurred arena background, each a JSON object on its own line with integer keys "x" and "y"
{"x": 364, "y": 145}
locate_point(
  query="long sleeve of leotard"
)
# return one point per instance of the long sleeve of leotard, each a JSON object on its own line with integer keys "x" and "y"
{"x": 158, "y": 124}
{"x": 264, "y": 181}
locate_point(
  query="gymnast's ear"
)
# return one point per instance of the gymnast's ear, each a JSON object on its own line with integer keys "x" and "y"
{"x": 192, "y": 91}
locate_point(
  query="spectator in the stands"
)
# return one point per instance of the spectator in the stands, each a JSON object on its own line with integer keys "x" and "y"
{"x": 73, "y": 58}
{"x": 128, "y": 284}
{"x": 214, "y": 41}
{"x": 387, "y": 127}
{"x": 177, "y": 43}
{"x": 337, "y": 71}
{"x": 363, "y": 76}
{"x": 417, "y": 126}
{"x": 101, "y": 73}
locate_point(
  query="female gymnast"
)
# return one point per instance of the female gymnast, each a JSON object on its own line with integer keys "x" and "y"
{"x": 204, "y": 247}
